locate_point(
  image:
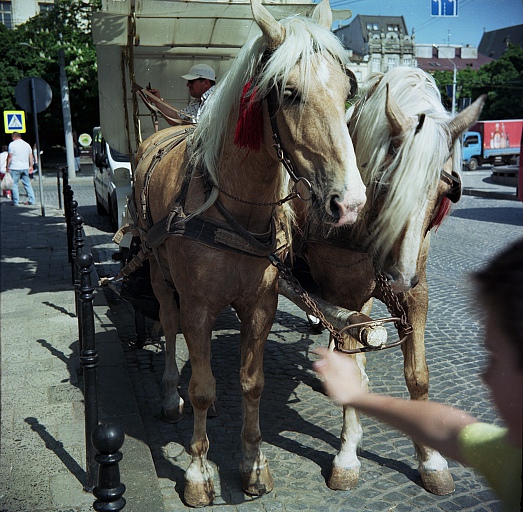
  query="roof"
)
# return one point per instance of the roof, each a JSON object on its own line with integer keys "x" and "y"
{"x": 443, "y": 64}
{"x": 494, "y": 43}
{"x": 380, "y": 23}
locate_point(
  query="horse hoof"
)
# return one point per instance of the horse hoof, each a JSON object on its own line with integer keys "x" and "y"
{"x": 257, "y": 482}
{"x": 438, "y": 482}
{"x": 199, "y": 494}
{"x": 173, "y": 415}
{"x": 343, "y": 479}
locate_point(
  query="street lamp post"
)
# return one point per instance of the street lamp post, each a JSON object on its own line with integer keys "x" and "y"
{"x": 453, "y": 89}
{"x": 66, "y": 113}
{"x": 454, "y": 81}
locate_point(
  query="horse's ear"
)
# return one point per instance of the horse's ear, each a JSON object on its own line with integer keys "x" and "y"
{"x": 398, "y": 121}
{"x": 322, "y": 14}
{"x": 274, "y": 32}
{"x": 466, "y": 118}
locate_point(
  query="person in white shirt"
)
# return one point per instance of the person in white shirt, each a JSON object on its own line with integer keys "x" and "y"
{"x": 19, "y": 165}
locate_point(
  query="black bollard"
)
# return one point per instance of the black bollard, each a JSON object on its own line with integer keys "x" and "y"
{"x": 68, "y": 211}
{"x": 89, "y": 362}
{"x": 108, "y": 439}
{"x": 72, "y": 214}
{"x": 58, "y": 188}
{"x": 78, "y": 243}
{"x": 65, "y": 176}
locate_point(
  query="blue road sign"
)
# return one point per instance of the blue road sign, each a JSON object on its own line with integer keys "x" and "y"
{"x": 444, "y": 8}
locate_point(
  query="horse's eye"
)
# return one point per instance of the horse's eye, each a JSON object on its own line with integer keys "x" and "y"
{"x": 291, "y": 94}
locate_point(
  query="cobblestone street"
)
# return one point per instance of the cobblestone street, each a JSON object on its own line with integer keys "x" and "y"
{"x": 300, "y": 425}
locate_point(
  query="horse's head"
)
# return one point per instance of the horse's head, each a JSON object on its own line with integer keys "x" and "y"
{"x": 303, "y": 75}
{"x": 411, "y": 165}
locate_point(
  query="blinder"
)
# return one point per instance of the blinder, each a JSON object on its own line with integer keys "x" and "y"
{"x": 353, "y": 83}
{"x": 454, "y": 193}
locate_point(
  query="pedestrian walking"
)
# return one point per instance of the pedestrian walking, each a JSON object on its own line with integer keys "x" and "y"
{"x": 77, "y": 153}
{"x": 494, "y": 451}
{"x": 3, "y": 167}
{"x": 19, "y": 165}
{"x": 36, "y": 163}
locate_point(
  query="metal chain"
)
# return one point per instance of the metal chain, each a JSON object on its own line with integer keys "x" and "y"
{"x": 286, "y": 274}
{"x": 393, "y": 304}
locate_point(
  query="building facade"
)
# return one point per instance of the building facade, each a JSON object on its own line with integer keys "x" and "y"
{"x": 377, "y": 44}
{"x": 380, "y": 43}
{"x": 16, "y": 12}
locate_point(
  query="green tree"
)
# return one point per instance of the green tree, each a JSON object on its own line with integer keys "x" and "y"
{"x": 32, "y": 49}
{"x": 501, "y": 80}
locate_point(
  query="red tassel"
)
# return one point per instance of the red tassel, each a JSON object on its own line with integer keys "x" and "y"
{"x": 443, "y": 211}
{"x": 249, "y": 128}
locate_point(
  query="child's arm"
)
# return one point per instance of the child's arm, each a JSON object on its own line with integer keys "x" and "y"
{"x": 436, "y": 425}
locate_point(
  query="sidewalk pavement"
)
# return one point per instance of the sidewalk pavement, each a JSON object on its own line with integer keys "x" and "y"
{"x": 42, "y": 444}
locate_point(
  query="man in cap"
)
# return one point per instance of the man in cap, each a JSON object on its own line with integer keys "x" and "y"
{"x": 201, "y": 80}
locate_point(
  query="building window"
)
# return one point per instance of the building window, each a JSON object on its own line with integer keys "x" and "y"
{"x": 5, "y": 14}
{"x": 393, "y": 28}
{"x": 407, "y": 61}
{"x": 391, "y": 63}
{"x": 375, "y": 64}
{"x": 44, "y": 7}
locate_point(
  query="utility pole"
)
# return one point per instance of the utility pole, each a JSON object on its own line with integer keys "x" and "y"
{"x": 66, "y": 112}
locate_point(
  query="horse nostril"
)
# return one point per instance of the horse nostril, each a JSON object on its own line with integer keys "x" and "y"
{"x": 334, "y": 207}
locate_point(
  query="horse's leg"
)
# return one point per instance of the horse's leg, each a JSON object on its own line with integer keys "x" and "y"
{"x": 433, "y": 468}
{"x": 172, "y": 404}
{"x": 197, "y": 324}
{"x": 346, "y": 466}
{"x": 256, "y": 322}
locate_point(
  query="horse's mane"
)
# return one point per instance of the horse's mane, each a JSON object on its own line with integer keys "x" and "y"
{"x": 305, "y": 43}
{"x": 407, "y": 180}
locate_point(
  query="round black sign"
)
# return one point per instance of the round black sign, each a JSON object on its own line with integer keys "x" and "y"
{"x": 42, "y": 94}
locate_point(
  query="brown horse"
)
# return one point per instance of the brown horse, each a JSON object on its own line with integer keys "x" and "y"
{"x": 208, "y": 209}
{"x": 409, "y": 154}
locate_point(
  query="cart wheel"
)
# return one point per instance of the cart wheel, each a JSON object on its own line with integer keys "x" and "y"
{"x": 314, "y": 323}
{"x": 139, "y": 325}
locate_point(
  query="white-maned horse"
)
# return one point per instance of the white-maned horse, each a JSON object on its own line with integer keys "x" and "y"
{"x": 208, "y": 211}
{"x": 409, "y": 154}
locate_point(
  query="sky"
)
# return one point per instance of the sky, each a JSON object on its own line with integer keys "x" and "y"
{"x": 474, "y": 18}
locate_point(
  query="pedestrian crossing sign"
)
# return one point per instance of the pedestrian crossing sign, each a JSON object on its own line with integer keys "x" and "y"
{"x": 14, "y": 121}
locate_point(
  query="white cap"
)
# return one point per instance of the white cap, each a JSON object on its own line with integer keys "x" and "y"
{"x": 200, "y": 71}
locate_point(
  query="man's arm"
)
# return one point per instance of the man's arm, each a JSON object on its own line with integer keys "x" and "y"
{"x": 171, "y": 116}
{"x": 8, "y": 162}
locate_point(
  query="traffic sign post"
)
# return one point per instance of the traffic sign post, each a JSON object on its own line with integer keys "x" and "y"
{"x": 34, "y": 95}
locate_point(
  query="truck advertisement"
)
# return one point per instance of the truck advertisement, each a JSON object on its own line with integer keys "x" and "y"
{"x": 492, "y": 142}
